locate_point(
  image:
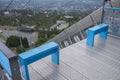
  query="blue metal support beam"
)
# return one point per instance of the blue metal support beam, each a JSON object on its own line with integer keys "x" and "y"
{"x": 110, "y": 8}
{"x": 4, "y": 61}
{"x": 102, "y": 29}
{"x": 9, "y": 62}
{"x": 36, "y": 54}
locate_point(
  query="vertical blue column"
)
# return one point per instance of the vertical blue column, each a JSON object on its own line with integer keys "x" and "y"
{"x": 104, "y": 33}
{"x": 55, "y": 56}
{"x": 24, "y": 69}
{"x": 27, "y": 72}
{"x": 90, "y": 38}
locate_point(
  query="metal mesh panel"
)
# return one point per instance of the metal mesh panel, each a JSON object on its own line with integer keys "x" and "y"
{"x": 113, "y": 19}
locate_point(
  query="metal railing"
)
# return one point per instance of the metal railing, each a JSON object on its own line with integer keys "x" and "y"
{"x": 112, "y": 17}
{"x": 9, "y": 62}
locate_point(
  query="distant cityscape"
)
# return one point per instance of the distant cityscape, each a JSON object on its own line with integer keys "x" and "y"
{"x": 41, "y": 20}
{"x": 56, "y": 5}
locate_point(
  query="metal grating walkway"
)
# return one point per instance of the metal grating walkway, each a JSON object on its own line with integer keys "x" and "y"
{"x": 81, "y": 62}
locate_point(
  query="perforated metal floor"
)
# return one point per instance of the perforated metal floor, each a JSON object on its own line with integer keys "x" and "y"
{"x": 81, "y": 62}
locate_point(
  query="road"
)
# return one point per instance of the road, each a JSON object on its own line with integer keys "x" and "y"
{"x": 32, "y": 37}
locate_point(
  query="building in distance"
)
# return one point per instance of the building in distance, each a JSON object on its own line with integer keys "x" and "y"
{"x": 24, "y": 28}
{"x": 60, "y": 25}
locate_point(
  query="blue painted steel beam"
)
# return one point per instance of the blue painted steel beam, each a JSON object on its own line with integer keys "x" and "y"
{"x": 110, "y": 8}
{"x": 38, "y": 53}
{"x": 102, "y": 29}
{"x": 9, "y": 62}
{"x": 5, "y": 63}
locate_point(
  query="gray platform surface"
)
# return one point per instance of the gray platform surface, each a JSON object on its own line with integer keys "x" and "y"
{"x": 81, "y": 62}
